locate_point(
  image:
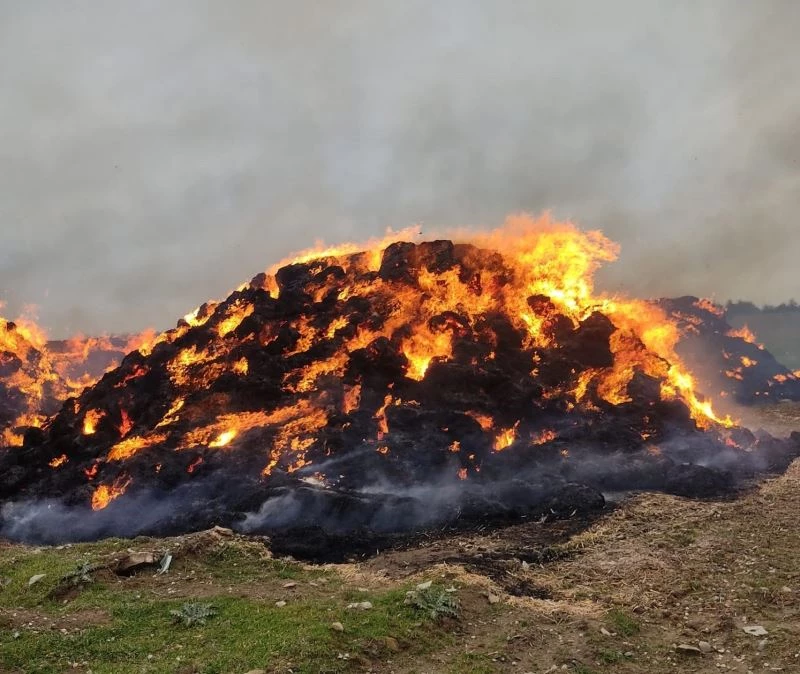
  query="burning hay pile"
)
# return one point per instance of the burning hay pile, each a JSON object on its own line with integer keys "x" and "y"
{"x": 29, "y": 389}
{"x": 397, "y": 388}
{"x": 727, "y": 361}
{"x": 37, "y": 375}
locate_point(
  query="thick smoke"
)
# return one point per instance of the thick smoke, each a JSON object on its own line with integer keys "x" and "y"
{"x": 540, "y": 490}
{"x": 158, "y": 154}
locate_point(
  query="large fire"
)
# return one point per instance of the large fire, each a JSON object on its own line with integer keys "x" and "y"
{"x": 37, "y": 375}
{"x": 394, "y": 359}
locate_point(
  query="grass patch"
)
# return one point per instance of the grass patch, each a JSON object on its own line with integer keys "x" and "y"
{"x": 243, "y": 635}
{"x": 123, "y": 626}
{"x": 622, "y": 623}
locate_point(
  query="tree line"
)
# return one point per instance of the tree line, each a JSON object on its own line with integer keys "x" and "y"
{"x": 741, "y": 307}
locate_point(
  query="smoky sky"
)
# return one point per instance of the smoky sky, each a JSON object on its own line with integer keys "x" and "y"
{"x": 154, "y": 155}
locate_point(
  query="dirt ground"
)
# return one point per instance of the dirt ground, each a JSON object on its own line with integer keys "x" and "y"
{"x": 660, "y": 584}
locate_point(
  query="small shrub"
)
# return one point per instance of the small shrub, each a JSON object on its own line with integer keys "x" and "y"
{"x": 192, "y": 614}
{"x": 435, "y": 602}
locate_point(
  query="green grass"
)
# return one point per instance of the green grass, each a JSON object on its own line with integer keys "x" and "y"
{"x": 243, "y": 635}
{"x": 133, "y": 630}
{"x": 622, "y": 623}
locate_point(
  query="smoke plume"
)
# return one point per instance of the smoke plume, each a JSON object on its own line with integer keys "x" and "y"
{"x": 156, "y": 155}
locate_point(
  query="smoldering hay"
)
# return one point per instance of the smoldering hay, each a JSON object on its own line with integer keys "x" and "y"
{"x": 388, "y": 388}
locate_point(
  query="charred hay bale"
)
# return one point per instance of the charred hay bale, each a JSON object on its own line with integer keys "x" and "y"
{"x": 398, "y": 262}
{"x": 589, "y": 343}
{"x": 436, "y": 256}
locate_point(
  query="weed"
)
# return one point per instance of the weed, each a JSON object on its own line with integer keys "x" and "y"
{"x": 193, "y": 613}
{"x": 81, "y": 575}
{"x": 435, "y": 602}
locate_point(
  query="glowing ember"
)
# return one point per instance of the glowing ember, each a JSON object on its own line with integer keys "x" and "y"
{"x": 125, "y": 424}
{"x": 296, "y": 432}
{"x": 484, "y": 420}
{"x": 194, "y": 464}
{"x": 224, "y": 430}
{"x": 58, "y": 461}
{"x": 380, "y": 417}
{"x": 544, "y": 437}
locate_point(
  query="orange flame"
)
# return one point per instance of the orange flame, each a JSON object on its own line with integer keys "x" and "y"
{"x": 484, "y": 420}
{"x": 506, "y": 438}
{"x": 539, "y": 258}
{"x": 223, "y": 438}
{"x": 746, "y": 334}
{"x": 90, "y": 421}
{"x": 104, "y": 494}
{"x": 708, "y": 305}
{"x": 130, "y": 446}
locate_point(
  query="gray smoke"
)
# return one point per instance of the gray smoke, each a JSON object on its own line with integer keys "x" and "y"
{"x": 158, "y": 154}
{"x": 542, "y": 489}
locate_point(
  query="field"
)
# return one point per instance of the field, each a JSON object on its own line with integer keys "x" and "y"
{"x": 658, "y": 584}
